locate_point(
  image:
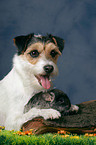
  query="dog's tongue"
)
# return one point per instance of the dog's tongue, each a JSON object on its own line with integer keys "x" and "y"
{"x": 45, "y": 82}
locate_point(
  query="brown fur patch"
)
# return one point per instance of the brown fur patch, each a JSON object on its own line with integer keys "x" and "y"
{"x": 43, "y": 50}
{"x": 36, "y": 46}
{"x": 48, "y": 48}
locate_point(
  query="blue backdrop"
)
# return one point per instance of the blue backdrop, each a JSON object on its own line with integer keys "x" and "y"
{"x": 73, "y": 20}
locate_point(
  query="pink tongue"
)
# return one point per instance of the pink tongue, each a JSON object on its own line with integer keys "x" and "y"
{"x": 45, "y": 82}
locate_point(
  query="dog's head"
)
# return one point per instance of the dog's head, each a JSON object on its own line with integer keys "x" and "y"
{"x": 41, "y": 54}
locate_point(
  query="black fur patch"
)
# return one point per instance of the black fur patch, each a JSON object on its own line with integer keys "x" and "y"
{"x": 22, "y": 42}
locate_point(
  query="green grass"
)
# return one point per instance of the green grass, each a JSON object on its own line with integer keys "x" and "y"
{"x": 8, "y": 138}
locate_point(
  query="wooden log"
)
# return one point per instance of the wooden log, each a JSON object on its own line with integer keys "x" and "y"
{"x": 81, "y": 122}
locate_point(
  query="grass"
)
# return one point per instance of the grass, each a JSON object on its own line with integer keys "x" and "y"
{"x": 15, "y": 138}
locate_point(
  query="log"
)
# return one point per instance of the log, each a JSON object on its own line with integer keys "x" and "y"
{"x": 83, "y": 121}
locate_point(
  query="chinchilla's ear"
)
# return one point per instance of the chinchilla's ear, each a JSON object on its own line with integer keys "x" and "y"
{"x": 21, "y": 42}
{"x": 58, "y": 41}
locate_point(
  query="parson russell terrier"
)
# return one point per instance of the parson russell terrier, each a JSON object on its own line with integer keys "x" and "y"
{"x": 33, "y": 67}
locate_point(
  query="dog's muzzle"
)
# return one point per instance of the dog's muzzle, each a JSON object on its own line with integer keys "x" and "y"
{"x": 44, "y": 80}
{"x": 48, "y": 69}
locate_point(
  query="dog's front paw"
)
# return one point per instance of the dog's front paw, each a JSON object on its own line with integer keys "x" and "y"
{"x": 50, "y": 114}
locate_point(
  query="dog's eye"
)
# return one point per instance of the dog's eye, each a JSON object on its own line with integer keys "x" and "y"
{"x": 53, "y": 53}
{"x": 34, "y": 53}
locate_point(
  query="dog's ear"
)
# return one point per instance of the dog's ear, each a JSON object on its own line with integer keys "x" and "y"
{"x": 21, "y": 42}
{"x": 58, "y": 41}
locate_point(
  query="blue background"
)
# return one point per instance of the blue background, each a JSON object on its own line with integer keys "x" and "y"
{"x": 74, "y": 21}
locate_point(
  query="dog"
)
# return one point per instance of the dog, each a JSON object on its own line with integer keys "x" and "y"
{"x": 34, "y": 64}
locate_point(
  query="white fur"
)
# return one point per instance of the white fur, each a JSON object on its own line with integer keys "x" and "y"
{"x": 17, "y": 88}
{"x": 74, "y": 108}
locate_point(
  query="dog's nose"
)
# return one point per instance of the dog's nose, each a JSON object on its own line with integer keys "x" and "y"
{"x": 48, "y": 68}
